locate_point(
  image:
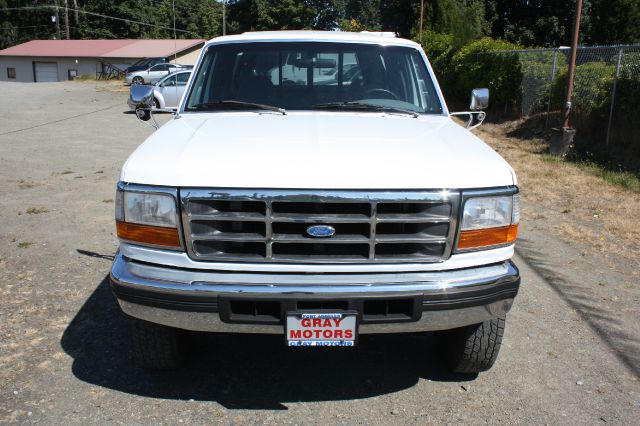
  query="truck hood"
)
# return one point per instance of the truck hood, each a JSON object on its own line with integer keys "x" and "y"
{"x": 316, "y": 150}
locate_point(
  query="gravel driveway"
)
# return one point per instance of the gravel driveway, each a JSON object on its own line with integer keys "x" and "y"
{"x": 64, "y": 344}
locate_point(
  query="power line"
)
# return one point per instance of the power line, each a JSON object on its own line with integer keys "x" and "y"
{"x": 58, "y": 121}
{"x": 131, "y": 21}
{"x": 31, "y": 26}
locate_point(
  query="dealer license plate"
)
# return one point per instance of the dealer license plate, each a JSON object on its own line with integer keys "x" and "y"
{"x": 321, "y": 329}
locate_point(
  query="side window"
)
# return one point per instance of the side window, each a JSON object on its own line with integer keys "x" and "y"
{"x": 204, "y": 81}
{"x": 429, "y": 98}
{"x": 350, "y": 68}
{"x": 183, "y": 77}
{"x": 400, "y": 79}
{"x": 292, "y": 69}
{"x": 171, "y": 81}
{"x": 11, "y": 73}
{"x": 325, "y": 69}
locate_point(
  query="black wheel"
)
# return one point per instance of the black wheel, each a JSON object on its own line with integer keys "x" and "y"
{"x": 155, "y": 104}
{"x": 158, "y": 347}
{"x": 137, "y": 80}
{"x": 474, "y": 349}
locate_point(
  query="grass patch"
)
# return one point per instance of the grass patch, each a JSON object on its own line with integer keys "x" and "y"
{"x": 86, "y": 77}
{"x": 621, "y": 178}
{"x": 67, "y": 172}
{"x": 107, "y": 200}
{"x": 626, "y": 179}
{"x": 25, "y": 244}
{"x": 25, "y": 184}
{"x": 37, "y": 210}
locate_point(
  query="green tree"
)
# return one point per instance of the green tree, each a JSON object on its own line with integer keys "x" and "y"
{"x": 260, "y": 15}
{"x": 536, "y": 22}
{"x": 464, "y": 19}
{"x": 400, "y": 16}
{"x": 327, "y": 13}
{"x": 366, "y": 12}
{"x": 615, "y": 22}
{"x": 19, "y": 26}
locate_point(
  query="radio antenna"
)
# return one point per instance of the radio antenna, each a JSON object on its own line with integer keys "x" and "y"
{"x": 175, "y": 41}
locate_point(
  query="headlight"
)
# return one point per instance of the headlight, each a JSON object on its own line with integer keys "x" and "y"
{"x": 150, "y": 209}
{"x": 489, "y": 221}
{"x": 147, "y": 217}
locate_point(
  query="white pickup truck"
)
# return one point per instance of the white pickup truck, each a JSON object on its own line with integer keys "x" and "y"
{"x": 319, "y": 212}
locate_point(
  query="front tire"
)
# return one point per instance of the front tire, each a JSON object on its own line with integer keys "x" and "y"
{"x": 158, "y": 347}
{"x": 137, "y": 80}
{"x": 474, "y": 349}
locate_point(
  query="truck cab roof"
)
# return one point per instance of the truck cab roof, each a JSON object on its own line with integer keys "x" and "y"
{"x": 384, "y": 38}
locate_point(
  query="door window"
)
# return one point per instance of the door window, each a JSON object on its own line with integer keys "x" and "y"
{"x": 160, "y": 67}
{"x": 171, "y": 81}
{"x": 183, "y": 77}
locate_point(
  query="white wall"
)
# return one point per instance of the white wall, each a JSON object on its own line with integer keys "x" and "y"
{"x": 85, "y": 66}
{"x": 187, "y": 58}
{"x": 24, "y": 66}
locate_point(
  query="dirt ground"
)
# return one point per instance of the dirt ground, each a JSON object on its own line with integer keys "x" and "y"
{"x": 571, "y": 353}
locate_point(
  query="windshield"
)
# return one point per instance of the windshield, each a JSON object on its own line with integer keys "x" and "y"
{"x": 308, "y": 76}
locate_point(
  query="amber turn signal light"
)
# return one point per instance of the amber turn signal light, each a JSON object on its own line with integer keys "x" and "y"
{"x": 481, "y": 238}
{"x": 147, "y": 234}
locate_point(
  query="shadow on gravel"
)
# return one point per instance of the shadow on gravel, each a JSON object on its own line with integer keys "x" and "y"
{"x": 247, "y": 371}
{"x": 604, "y": 323}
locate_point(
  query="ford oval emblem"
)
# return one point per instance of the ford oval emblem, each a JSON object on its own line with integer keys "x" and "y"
{"x": 321, "y": 231}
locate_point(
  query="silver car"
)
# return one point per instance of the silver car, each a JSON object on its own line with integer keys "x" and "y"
{"x": 153, "y": 74}
{"x": 168, "y": 91}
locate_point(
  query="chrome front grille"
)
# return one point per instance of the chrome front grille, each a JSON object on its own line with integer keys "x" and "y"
{"x": 271, "y": 225}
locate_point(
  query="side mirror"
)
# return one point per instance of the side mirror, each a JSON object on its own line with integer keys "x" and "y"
{"x": 143, "y": 114}
{"x": 141, "y": 99}
{"x": 479, "y": 99}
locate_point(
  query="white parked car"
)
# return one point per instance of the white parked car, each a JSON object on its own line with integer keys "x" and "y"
{"x": 280, "y": 201}
{"x": 154, "y": 73}
{"x": 167, "y": 92}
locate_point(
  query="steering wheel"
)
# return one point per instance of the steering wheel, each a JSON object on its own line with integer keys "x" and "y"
{"x": 380, "y": 90}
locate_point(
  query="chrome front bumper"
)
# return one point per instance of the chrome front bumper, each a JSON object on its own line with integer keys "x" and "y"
{"x": 192, "y": 300}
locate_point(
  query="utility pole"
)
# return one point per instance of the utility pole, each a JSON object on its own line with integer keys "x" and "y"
{"x": 566, "y": 108}
{"x": 224, "y": 17}
{"x": 56, "y": 18}
{"x": 562, "y": 138}
{"x": 66, "y": 20}
{"x": 76, "y": 18}
{"x": 421, "y": 17}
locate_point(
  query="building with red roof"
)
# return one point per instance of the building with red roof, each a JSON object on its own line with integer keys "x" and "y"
{"x": 58, "y": 60}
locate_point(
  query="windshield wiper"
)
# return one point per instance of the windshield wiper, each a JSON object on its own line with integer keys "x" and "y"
{"x": 363, "y": 106}
{"x": 223, "y": 104}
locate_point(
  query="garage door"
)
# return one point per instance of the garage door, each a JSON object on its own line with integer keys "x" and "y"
{"x": 46, "y": 71}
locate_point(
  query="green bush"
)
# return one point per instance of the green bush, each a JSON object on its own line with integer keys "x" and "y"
{"x": 624, "y": 144}
{"x": 591, "y": 106}
{"x": 592, "y": 86}
{"x": 437, "y": 46}
{"x": 537, "y": 68}
{"x": 439, "y": 49}
{"x": 501, "y": 73}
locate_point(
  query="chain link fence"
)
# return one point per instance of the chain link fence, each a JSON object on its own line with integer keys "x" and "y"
{"x": 606, "y": 90}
